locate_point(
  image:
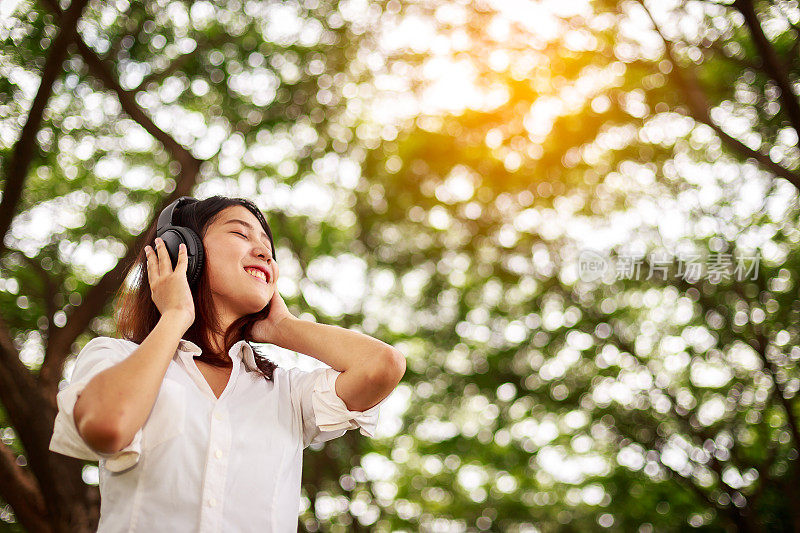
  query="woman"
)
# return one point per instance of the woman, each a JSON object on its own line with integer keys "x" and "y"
{"x": 193, "y": 429}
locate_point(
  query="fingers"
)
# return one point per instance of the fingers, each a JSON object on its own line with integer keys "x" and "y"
{"x": 164, "y": 263}
{"x": 159, "y": 263}
{"x": 152, "y": 264}
{"x": 182, "y": 259}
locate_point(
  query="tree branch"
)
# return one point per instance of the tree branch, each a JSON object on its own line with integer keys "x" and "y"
{"x": 61, "y": 339}
{"x": 795, "y": 26}
{"x": 122, "y": 22}
{"x": 743, "y": 62}
{"x": 30, "y": 415}
{"x": 772, "y": 63}
{"x": 59, "y": 479}
{"x": 190, "y": 165}
{"x": 731, "y": 513}
{"x": 175, "y": 65}
{"x": 686, "y": 420}
{"x": 23, "y": 149}
{"x": 50, "y": 288}
{"x": 19, "y": 489}
{"x": 700, "y": 110}
{"x": 760, "y": 344}
{"x": 790, "y": 56}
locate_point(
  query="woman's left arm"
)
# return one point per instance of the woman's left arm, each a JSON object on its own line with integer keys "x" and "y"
{"x": 371, "y": 369}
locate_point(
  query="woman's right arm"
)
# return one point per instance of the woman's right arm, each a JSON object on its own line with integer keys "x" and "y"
{"x": 118, "y": 400}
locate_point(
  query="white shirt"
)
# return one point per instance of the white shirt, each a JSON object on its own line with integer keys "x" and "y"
{"x": 205, "y": 464}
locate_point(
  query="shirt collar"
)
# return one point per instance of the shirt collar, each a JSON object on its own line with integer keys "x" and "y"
{"x": 242, "y": 349}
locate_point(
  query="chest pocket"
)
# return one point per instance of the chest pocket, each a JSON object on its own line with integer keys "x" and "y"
{"x": 168, "y": 418}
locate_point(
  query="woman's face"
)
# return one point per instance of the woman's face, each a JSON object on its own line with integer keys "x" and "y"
{"x": 230, "y": 247}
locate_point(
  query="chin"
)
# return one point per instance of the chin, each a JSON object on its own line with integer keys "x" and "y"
{"x": 255, "y": 305}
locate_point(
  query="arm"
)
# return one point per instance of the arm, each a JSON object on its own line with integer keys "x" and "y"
{"x": 118, "y": 400}
{"x": 370, "y": 368}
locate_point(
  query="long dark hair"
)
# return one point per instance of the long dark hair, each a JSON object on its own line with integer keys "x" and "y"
{"x": 137, "y": 314}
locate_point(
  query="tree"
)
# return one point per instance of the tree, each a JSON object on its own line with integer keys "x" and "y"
{"x": 137, "y": 104}
{"x": 633, "y": 404}
{"x": 536, "y": 398}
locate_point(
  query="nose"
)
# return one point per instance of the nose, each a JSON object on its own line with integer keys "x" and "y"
{"x": 262, "y": 252}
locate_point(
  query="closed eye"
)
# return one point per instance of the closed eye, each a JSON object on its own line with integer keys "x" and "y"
{"x": 243, "y": 235}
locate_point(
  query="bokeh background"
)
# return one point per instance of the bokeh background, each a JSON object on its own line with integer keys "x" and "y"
{"x": 433, "y": 172}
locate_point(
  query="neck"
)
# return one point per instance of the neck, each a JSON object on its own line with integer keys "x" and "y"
{"x": 216, "y": 343}
{"x": 216, "y": 339}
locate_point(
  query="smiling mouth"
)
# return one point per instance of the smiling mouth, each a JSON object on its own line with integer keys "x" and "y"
{"x": 257, "y": 274}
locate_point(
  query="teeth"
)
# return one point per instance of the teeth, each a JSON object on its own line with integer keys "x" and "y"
{"x": 256, "y": 273}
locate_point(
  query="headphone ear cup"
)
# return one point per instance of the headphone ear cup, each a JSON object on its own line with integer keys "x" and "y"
{"x": 172, "y": 238}
{"x": 197, "y": 259}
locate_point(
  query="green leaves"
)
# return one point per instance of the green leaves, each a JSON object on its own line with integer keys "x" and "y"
{"x": 602, "y": 134}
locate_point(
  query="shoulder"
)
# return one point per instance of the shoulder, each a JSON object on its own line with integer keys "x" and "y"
{"x": 296, "y": 374}
{"x": 98, "y": 342}
{"x": 286, "y": 376}
{"x": 100, "y": 353}
{"x": 304, "y": 383}
{"x": 109, "y": 346}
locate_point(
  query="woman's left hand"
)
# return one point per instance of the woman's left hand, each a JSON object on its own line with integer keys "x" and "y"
{"x": 267, "y": 330}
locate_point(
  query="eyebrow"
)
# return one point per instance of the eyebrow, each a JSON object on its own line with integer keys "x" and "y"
{"x": 248, "y": 226}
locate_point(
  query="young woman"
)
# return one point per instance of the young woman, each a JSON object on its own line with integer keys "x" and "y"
{"x": 194, "y": 430}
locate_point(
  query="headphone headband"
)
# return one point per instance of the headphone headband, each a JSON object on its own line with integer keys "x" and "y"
{"x": 165, "y": 218}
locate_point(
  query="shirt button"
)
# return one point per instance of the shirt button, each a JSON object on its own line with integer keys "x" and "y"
{"x": 218, "y": 415}
{"x": 218, "y": 453}
{"x": 212, "y": 502}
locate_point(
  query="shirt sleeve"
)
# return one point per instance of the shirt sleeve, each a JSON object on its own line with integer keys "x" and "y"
{"x": 324, "y": 415}
{"x": 97, "y": 355}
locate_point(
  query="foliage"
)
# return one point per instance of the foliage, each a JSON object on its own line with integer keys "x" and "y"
{"x": 537, "y": 400}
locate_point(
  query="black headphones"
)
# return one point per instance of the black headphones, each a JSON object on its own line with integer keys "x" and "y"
{"x": 173, "y": 236}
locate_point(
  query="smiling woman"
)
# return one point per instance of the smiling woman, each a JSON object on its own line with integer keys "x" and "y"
{"x": 235, "y": 235}
{"x": 177, "y": 408}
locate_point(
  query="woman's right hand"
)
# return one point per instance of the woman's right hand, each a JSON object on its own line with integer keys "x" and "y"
{"x": 170, "y": 288}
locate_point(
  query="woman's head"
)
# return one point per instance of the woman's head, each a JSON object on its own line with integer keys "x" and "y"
{"x": 227, "y": 298}
{"x": 235, "y": 240}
